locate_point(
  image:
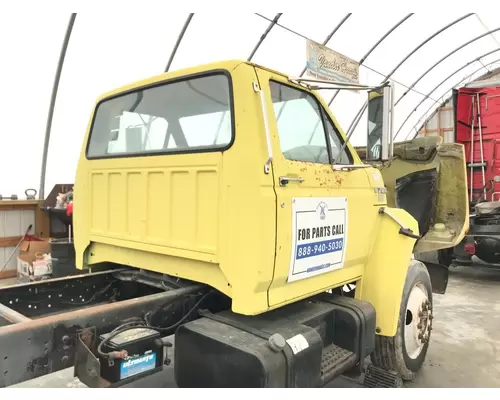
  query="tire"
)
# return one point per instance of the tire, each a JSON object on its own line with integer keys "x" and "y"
{"x": 406, "y": 351}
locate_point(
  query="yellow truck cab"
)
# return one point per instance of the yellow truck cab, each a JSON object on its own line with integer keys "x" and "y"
{"x": 240, "y": 178}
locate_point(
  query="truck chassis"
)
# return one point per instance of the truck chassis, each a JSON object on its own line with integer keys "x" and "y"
{"x": 52, "y": 325}
{"x": 482, "y": 240}
{"x": 40, "y": 322}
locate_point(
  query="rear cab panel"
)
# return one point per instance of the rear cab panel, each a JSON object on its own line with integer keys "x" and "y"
{"x": 179, "y": 212}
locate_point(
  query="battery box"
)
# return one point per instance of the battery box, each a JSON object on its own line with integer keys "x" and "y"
{"x": 145, "y": 354}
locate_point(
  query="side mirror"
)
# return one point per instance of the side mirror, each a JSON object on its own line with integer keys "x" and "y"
{"x": 380, "y": 118}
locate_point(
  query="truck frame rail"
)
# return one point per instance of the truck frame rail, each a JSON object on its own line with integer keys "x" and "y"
{"x": 40, "y": 322}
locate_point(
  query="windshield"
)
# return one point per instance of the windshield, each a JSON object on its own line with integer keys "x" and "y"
{"x": 183, "y": 116}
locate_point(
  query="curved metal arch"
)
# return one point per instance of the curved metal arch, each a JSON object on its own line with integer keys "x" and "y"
{"x": 456, "y": 84}
{"x": 329, "y": 37}
{"x": 50, "y": 114}
{"x": 445, "y": 57}
{"x": 178, "y": 42}
{"x": 483, "y": 65}
{"x": 307, "y": 38}
{"x": 271, "y": 25}
{"x": 282, "y": 26}
{"x": 478, "y": 59}
{"x": 382, "y": 38}
{"x": 427, "y": 41}
{"x": 356, "y": 119}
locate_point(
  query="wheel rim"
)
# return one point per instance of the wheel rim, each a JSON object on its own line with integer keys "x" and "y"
{"x": 418, "y": 320}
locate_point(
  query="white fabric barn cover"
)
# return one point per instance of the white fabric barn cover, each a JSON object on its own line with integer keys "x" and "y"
{"x": 425, "y": 54}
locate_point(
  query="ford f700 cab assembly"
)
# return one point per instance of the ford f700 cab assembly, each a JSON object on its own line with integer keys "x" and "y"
{"x": 223, "y": 204}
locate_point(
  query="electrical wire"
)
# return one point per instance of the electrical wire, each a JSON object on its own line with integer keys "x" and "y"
{"x": 144, "y": 323}
{"x": 195, "y": 307}
{"x": 115, "y": 332}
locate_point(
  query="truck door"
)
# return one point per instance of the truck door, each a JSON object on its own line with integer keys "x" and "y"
{"x": 325, "y": 218}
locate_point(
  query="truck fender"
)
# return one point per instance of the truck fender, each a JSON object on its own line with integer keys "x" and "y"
{"x": 387, "y": 266}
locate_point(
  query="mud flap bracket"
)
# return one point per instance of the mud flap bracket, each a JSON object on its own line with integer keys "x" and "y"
{"x": 439, "y": 276}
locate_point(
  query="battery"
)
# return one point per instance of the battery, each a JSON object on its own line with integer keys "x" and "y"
{"x": 145, "y": 354}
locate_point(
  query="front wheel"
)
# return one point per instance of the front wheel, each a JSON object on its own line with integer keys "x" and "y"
{"x": 405, "y": 353}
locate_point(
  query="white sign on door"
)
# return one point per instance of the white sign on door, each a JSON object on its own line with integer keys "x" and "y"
{"x": 319, "y": 236}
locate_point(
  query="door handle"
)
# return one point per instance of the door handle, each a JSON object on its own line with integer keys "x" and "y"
{"x": 285, "y": 179}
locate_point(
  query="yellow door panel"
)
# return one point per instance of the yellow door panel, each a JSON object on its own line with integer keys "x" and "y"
{"x": 324, "y": 229}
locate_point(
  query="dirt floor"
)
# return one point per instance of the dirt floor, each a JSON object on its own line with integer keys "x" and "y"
{"x": 465, "y": 344}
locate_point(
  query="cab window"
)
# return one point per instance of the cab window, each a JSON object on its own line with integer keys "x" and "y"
{"x": 304, "y": 127}
{"x": 186, "y": 116}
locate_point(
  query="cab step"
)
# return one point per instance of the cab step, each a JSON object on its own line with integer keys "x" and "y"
{"x": 376, "y": 377}
{"x": 303, "y": 345}
{"x": 334, "y": 361}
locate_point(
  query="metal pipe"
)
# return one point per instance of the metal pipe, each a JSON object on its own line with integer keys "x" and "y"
{"x": 479, "y": 123}
{"x": 272, "y": 24}
{"x": 356, "y": 119}
{"x": 55, "y": 86}
{"x": 178, "y": 42}
{"x": 11, "y": 315}
{"x": 472, "y": 151}
{"x": 374, "y": 47}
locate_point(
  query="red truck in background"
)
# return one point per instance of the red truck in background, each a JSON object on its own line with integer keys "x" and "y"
{"x": 477, "y": 127}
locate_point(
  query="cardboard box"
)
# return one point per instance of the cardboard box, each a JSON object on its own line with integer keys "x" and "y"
{"x": 33, "y": 261}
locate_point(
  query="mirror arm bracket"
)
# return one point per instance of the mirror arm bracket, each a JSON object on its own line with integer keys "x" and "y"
{"x": 402, "y": 229}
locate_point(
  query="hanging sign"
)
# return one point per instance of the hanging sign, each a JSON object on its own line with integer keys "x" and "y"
{"x": 324, "y": 63}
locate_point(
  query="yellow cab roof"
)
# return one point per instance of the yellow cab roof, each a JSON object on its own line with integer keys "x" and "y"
{"x": 228, "y": 65}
